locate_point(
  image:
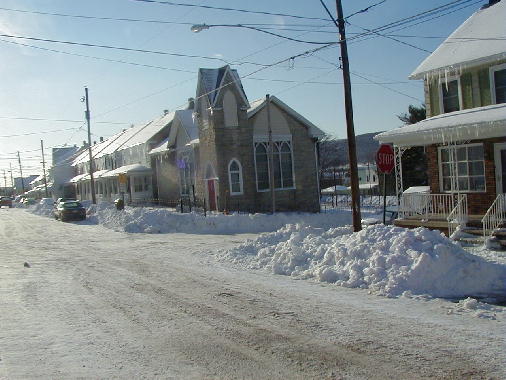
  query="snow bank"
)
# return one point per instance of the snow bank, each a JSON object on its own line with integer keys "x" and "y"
{"x": 43, "y": 208}
{"x": 160, "y": 220}
{"x": 387, "y": 260}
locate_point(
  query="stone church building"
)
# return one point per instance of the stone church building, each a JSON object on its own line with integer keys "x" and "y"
{"x": 218, "y": 151}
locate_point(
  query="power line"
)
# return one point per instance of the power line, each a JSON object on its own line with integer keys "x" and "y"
{"x": 365, "y": 9}
{"x": 57, "y": 120}
{"x": 37, "y": 133}
{"x": 122, "y": 48}
{"x": 95, "y": 57}
{"x": 239, "y": 10}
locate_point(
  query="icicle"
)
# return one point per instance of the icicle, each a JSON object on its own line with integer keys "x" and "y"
{"x": 446, "y": 79}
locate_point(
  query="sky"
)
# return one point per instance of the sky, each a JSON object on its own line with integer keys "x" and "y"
{"x": 42, "y": 83}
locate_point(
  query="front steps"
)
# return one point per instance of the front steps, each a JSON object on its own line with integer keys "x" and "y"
{"x": 472, "y": 236}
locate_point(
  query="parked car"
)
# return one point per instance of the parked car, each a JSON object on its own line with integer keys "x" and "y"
{"x": 5, "y": 201}
{"x": 391, "y": 214}
{"x": 29, "y": 201}
{"x": 70, "y": 210}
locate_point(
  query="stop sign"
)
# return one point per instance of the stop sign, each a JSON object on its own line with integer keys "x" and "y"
{"x": 385, "y": 159}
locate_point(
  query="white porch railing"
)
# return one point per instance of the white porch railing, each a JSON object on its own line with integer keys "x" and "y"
{"x": 458, "y": 216}
{"x": 426, "y": 206}
{"x": 495, "y": 216}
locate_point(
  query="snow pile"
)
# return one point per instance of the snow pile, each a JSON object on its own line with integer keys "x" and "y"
{"x": 161, "y": 220}
{"x": 44, "y": 207}
{"x": 477, "y": 308}
{"x": 388, "y": 260}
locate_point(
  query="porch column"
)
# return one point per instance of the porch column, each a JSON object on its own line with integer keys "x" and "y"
{"x": 398, "y": 151}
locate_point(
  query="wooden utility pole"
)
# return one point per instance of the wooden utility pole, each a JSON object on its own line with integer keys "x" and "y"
{"x": 87, "y": 114}
{"x": 5, "y": 183}
{"x": 271, "y": 152}
{"x": 44, "y": 167}
{"x": 350, "y": 129}
{"x": 21, "y": 174}
{"x": 12, "y": 179}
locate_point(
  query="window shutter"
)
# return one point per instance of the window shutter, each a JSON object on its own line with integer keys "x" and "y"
{"x": 484, "y": 80}
{"x": 434, "y": 98}
{"x": 466, "y": 83}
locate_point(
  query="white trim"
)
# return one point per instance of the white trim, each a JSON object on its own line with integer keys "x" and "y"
{"x": 455, "y": 169}
{"x": 443, "y": 82}
{"x": 491, "y": 72}
{"x": 241, "y": 192}
{"x": 498, "y": 167}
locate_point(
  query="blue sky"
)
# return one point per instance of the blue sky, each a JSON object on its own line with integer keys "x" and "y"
{"x": 49, "y": 85}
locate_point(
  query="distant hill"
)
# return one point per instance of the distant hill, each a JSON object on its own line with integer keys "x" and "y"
{"x": 366, "y": 148}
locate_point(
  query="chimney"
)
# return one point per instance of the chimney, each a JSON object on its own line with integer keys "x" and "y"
{"x": 165, "y": 112}
{"x": 94, "y": 143}
{"x": 85, "y": 144}
{"x": 101, "y": 139}
{"x": 191, "y": 104}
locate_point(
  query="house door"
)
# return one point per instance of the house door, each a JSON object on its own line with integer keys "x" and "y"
{"x": 211, "y": 193}
{"x": 500, "y": 167}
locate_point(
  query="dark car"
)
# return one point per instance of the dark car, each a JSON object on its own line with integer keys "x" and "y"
{"x": 70, "y": 210}
{"x": 5, "y": 201}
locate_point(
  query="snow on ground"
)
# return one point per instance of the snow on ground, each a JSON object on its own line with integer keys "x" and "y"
{"x": 386, "y": 260}
{"x": 390, "y": 261}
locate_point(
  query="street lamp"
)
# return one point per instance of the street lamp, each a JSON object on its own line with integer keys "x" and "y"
{"x": 199, "y": 28}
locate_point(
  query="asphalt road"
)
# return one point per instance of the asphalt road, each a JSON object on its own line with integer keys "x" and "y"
{"x": 101, "y": 304}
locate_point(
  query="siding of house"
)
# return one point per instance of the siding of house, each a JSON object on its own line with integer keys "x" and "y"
{"x": 475, "y": 89}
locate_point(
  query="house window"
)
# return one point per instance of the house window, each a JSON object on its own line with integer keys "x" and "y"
{"x": 230, "y": 109}
{"x": 137, "y": 184}
{"x": 465, "y": 164}
{"x": 185, "y": 165}
{"x": 235, "y": 177}
{"x": 498, "y": 81}
{"x": 450, "y": 96}
{"x": 282, "y": 165}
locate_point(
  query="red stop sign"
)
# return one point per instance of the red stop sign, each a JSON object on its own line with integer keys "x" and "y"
{"x": 385, "y": 159}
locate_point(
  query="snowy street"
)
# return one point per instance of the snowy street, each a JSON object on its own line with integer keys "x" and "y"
{"x": 95, "y": 303}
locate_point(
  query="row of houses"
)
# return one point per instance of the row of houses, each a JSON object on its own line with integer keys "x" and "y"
{"x": 215, "y": 152}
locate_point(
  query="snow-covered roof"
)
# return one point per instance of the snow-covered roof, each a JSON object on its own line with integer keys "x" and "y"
{"x": 470, "y": 124}
{"x": 212, "y": 80}
{"x": 136, "y": 135}
{"x": 258, "y": 104}
{"x": 77, "y": 178}
{"x": 480, "y": 39}
{"x": 128, "y": 169}
{"x": 162, "y": 147}
{"x": 187, "y": 123}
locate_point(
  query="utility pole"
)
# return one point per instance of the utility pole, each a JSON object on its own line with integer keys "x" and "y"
{"x": 271, "y": 152}
{"x": 12, "y": 179}
{"x": 21, "y": 173}
{"x": 350, "y": 129}
{"x": 5, "y": 183}
{"x": 44, "y": 167}
{"x": 87, "y": 114}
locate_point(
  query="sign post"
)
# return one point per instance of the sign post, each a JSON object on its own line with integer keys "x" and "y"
{"x": 385, "y": 162}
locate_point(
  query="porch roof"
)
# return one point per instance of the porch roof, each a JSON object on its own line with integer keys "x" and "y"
{"x": 128, "y": 169}
{"x": 470, "y": 124}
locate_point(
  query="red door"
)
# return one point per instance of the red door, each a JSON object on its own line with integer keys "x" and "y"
{"x": 211, "y": 194}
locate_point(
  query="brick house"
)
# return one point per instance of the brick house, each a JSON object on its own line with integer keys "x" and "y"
{"x": 464, "y": 135}
{"x": 219, "y": 152}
